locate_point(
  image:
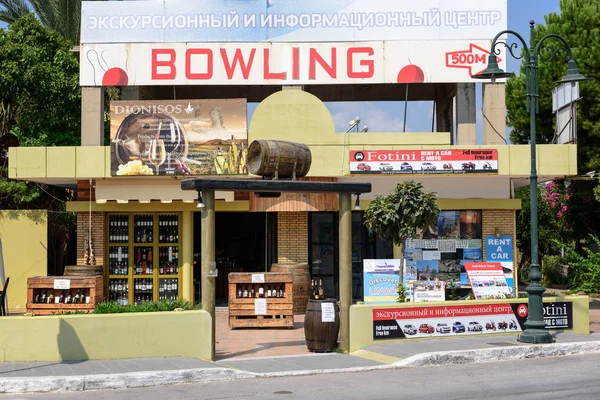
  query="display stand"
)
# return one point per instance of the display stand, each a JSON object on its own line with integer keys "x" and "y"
{"x": 43, "y": 292}
{"x": 261, "y": 312}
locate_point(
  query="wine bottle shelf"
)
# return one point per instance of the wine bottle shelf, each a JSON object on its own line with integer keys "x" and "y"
{"x": 143, "y": 257}
{"x": 279, "y": 305}
{"x": 82, "y": 294}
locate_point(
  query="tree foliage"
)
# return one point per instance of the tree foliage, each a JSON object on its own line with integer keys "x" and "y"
{"x": 398, "y": 215}
{"x": 40, "y": 102}
{"x": 39, "y": 85}
{"x": 62, "y": 16}
{"x": 579, "y": 23}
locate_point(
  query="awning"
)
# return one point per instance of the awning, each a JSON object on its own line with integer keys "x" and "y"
{"x": 147, "y": 190}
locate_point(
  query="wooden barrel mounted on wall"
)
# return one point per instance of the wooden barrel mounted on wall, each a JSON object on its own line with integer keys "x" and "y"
{"x": 300, "y": 283}
{"x": 84, "y": 270}
{"x": 321, "y": 337}
{"x": 278, "y": 159}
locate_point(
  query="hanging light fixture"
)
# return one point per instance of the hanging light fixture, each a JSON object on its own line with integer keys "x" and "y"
{"x": 200, "y": 202}
{"x": 357, "y": 202}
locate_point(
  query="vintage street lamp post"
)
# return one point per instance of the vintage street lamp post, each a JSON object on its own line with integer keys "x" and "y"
{"x": 535, "y": 327}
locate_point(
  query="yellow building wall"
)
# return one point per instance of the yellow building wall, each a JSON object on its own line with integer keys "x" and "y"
{"x": 106, "y": 336}
{"x": 24, "y": 247}
{"x": 299, "y": 116}
{"x": 361, "y": 317}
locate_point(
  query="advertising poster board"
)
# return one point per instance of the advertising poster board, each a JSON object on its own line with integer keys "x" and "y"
{"x": 423, "y": 321}
{"x": 500, "y": 249}
{"x": 178, "y": 137}
{"x": 290, "y": 20}
{"x": 381, "y": 278}
{"x": 487, "y": 280}
{"x": 420, "y": 322}
{"x": 409, "y": 162}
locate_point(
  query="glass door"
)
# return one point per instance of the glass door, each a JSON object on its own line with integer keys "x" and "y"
{"x": 323, "y": 251}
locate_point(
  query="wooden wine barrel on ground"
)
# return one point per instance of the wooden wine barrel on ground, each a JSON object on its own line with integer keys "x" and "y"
{"x": 300, "y": 283}
{"x": 278, "y": 159}
{"x": 84, "y": 270}
{"x": 321, "y": 337}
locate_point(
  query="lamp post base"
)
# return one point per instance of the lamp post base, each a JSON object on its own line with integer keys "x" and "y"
{"x": 535, "y": 336}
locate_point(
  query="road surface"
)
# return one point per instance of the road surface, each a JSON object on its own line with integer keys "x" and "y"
{"x": 573, "y": 377}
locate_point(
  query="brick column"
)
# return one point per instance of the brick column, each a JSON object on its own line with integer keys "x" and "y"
{"x": 98, "y": 237}
{"x": 292, "y": 237}
{"x": 504, "y": 221}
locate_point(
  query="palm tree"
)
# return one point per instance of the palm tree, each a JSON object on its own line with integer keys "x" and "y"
{"x": 62, "y": 16}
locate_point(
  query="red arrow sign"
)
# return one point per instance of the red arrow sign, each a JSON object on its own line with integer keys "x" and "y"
{"x": 474, "y": 59}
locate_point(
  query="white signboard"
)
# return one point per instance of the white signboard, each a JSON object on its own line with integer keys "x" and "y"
{"x": 62, "y": 284}
{"x": 283, "y": 63}
{"x": 258, "y": 278}
{"x": 260, "y": 307}
{"x": 290, "y": 20}
{"x": 327, "y": 312}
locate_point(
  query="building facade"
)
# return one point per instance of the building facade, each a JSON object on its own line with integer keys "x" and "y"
{"x": 145, "y": 230}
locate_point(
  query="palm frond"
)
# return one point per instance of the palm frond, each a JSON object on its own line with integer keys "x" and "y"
{"x": 12, "y": 10}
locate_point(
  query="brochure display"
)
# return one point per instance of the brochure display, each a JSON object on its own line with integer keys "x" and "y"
{"x": 487, "y": 281}
{"x": 381, "y": 279}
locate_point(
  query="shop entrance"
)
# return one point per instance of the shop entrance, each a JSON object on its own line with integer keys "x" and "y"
{"x": 244, "y": 242}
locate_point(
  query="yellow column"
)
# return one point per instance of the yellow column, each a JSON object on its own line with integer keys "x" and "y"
{"x": 187, "y": 253}
{"x": 345, "y": 238}
{"x": 207, "y": 258}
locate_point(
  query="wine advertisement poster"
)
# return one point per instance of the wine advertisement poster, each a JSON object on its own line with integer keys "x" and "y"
{"x": 381, "y": 278}
{"x": 178, "y": 137}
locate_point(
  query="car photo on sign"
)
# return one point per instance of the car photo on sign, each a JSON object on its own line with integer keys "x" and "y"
{"x": 458, "y": 327}
{"x": 409, "y": 330}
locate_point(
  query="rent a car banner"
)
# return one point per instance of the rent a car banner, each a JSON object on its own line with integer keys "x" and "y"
{"x": 282, "y": 42}
{"x": 424, "y": 161}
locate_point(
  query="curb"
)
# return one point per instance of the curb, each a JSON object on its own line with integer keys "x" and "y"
{"x": 200, "y": 375}
{"x": 120, "y": 381}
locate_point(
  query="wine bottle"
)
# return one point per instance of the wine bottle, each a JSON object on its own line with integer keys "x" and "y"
{"x": 239, "y": 292}
{"x": 313, "y": 292}
{"x": 68, "y": 298}
{"x": 51, "y": 298}
{"x": 76, "y": 298}
{"x": 280, "y": 292}
{"x": 261, "y": 291}
{"x": 37, "y": 297}
{"x": 253, "y": 292}
{"x": 44, "y": 296}
{"x": 320, "y": 289}
{"x": 246, "y": 291}
{"x": 268, "y": 291}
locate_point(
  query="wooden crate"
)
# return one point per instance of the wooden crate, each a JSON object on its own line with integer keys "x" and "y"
{"x": 91, "y": 286}
{"x": 280, "y": 310}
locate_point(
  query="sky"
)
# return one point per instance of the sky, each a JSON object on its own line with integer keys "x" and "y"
{"x": 389, "y": 116}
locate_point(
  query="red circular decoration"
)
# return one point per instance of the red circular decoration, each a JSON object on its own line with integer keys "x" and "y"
{"x": 115, "y": 77}
{"x": 411, "y": 74}
{"x": 522, "y": 310}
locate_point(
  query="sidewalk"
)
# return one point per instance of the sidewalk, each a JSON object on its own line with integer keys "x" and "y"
{"x": 247, "y": 354}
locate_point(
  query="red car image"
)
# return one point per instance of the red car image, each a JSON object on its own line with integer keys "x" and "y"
{"x": 426, "y": 328}
{"x": 363, "y": 167}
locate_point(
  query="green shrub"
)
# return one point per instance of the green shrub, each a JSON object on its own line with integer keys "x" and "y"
{"x": 453, "y": 293}
{"x": 585, "y": 275}
{"x": 112, "y": 307}
{"x": 552, "y": 271}
{"x": 401, "y": 290}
